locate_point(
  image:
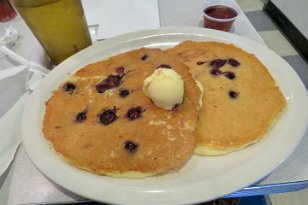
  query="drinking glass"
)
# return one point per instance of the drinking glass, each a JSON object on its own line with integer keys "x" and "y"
{"x": 59, "y": 25}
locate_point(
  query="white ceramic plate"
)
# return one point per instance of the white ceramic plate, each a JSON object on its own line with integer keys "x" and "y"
{"x": 203, "y": 178}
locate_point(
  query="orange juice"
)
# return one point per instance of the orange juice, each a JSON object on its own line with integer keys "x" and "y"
{"x": 59, "y": 25}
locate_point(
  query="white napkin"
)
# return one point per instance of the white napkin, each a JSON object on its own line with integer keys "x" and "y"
{"x": 10, "y": 37}
{"x": 10, "y": 125}
{"x": 12, "y": 86}
{"x": 14, "y": 81}
{"x": 10, "y": 122}
{"x": 115, "y": 17}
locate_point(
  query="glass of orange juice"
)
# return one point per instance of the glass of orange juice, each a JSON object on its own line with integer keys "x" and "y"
{"x": 59, "y": 25}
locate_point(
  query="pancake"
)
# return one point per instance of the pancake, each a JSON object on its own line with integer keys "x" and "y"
{"x": 241, "y": 101}
{"x": 100, "y": 120}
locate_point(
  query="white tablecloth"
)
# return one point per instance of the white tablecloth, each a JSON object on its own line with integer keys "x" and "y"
{"x": 23, "y": 183}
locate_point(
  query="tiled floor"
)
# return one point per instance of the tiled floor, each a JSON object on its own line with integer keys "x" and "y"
{"x": 271, "y": 35}
{"x": 294, "y": 198}
{"x": 276, "y": 41}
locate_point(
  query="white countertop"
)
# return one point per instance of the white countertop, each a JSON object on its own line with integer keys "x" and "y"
{"x": 23, "y": 183}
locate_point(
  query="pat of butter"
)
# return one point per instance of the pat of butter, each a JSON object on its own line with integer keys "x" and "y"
{"x": 165, "y": 87}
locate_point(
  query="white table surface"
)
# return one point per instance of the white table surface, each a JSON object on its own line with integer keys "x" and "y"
{"x": 22, "y": 183}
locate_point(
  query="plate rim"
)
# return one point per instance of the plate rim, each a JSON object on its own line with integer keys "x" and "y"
{"x": 158, "y": 32}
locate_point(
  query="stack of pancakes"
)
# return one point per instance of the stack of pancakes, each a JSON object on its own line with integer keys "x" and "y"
{"x": 100, "y": 120}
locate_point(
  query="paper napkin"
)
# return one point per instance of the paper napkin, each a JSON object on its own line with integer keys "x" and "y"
{"x": 10, "y": 126}
{"x": 10, "y": 122}
{"x": 115, "y": 17}
{"x": 12, "y": 86}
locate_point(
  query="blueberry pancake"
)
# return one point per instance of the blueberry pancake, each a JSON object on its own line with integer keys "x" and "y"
{"x": 100, "y": 120}
{"x": 241, "y": 100}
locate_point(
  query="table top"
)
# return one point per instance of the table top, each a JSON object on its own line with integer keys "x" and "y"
{"x": 23, "y": 183}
